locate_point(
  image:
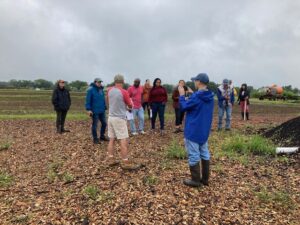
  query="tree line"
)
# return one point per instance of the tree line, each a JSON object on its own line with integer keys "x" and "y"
{"x": 78, "y": 85}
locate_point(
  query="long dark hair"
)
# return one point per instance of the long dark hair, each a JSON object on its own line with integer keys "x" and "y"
{"x": 154, "y": 82}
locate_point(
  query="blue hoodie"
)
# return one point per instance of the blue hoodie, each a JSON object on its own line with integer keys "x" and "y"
{"x": 95, "y": 99}
{"x": 199, "y": 110}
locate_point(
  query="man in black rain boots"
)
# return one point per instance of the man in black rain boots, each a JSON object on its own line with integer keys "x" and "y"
{"x": 199, "y": 107}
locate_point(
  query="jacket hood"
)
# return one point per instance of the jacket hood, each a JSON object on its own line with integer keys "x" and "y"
{"x": 95, "y": 86}
{"x": 205, "y": 95}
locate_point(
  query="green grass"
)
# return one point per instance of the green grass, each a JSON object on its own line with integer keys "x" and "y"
{"x": 280, "y": 198}
{"x": 94, "y": 193}
{"x": 4, "y": 145}
{"x": 5, "y": 179}
{"x": 67, "y": 178}
{"x": 150, "y": 180}
{"x": 91, "y": 192}
{"x": 247, "y": 145}
{"x": 176, "y": 151}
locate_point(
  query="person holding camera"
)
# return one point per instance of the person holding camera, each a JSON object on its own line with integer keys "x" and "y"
{"x": 225, "y": 102}
{"x": 96, "y": 106}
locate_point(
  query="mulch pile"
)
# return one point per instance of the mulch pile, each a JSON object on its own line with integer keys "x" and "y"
{"x": 287, "y": 134}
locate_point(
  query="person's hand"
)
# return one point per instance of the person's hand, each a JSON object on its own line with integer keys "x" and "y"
{"x": 181, "y": 90}
{"x": 90, "y": 113}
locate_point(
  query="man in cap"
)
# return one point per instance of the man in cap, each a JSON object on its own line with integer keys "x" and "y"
{"x": 225, "y": 102}
{"x": 199, "y": 115}
{"x": 61, "y": 101}
{"x": 135, "y": 93}
{"x": 96, "y": 106}
{"x": 119, "y": 102}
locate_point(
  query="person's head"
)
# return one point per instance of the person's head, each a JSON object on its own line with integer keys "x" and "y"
{"x": 225, "y": 83}
{"x": 244, "y": 87}
{"x": 119, "y": 80}
{"x": 61, "y": 84}
{"x": 147, "y": 81}
{"x": 137, "y": 82}
{"x": 98, "y": 82}
{"x": 181, "y": 83}
{"x": 201, "y": 81}
{"x": 157, "y": 82}
{"x": 230, "y": 82}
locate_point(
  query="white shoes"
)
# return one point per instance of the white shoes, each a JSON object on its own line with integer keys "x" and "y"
{"x": 134, "y": 133}
{"x": 142, "y": 132}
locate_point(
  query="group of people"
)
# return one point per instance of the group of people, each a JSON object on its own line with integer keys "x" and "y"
{"x": 197, "y": 106}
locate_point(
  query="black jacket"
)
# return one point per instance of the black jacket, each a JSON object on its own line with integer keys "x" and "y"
{"x": 243, "y": 95}
{"x": 61, "y": 99}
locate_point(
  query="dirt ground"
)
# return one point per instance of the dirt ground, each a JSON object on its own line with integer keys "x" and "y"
{"x": 152, "y": 195}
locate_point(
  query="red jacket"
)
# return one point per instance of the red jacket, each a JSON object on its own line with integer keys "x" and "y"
{"x": 158, "y": 94}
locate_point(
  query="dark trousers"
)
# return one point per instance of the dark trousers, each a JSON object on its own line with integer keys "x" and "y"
{"x": 178, "y": 116}
{"x": 146, "y": 105}
{"x": 158, "y": 108}
{"x": 96, "y": 117}
{"x": 60, "y": 119}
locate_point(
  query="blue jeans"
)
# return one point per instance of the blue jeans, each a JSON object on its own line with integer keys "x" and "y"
{"x": 222, "y": 110}
{"x": 96, "y": 117}
{"x": 158, "y": 107}
{"x": 140, "y": 114}
{"x": 196, "y": 152}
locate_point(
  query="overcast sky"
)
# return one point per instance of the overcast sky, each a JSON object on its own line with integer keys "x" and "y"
{"x": 253, "y": 41}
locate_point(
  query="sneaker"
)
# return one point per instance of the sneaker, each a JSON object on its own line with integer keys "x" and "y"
{"x": 142, "y": 132}
{"x": 227, "y": 129}
{"x": 129, "y": 165}
{"x": 104, "y": 138}
{"x": 111, "y": 161}
{"x": 134, "y": 133}
{"x": 162, "y": 132}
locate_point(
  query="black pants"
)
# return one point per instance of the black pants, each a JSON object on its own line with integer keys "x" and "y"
{"x": 60, "y": 119}
{"x": 178, "y": 116}
{"x": 146, "y": 105}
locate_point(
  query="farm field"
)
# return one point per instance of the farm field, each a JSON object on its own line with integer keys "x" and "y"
{"x": 47, "y": 178}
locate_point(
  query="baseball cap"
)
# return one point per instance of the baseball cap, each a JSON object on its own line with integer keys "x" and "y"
{"x": 225, "y": 81}
{"x": 202, "y": 77}
{"x": 119, "y": 78}
{"x": 98, "y": 80}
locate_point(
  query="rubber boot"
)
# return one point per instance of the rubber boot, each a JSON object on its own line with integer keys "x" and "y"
{"x": 196, "y": 179}
{"x": 242, "y": 115}
{"x": 205, "y": 172}
{"x": 59, "y": 131}
{"x": 247, "y": 115}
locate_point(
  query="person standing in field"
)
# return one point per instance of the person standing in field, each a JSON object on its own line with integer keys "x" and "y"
{"x": 199, "y": 115}
{"x": 243, "y": 101}
{"x": 96, "y": 106}
{"x": 179, "y": 115}
{"x": 225, "y": 102}
{"x": 119, "y": 102}
{"x": 158, "y": 98}
{"x": 146, "y": 91}
{"x": 61, "y": 101}
{"x": 135, "y": 93}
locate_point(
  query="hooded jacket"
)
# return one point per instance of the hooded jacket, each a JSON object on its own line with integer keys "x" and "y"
{"x": 221, "y": 93}
{"x": 61, "y": 99}
{"x": 95, "y": 99}
{"x": 199, "y": 110}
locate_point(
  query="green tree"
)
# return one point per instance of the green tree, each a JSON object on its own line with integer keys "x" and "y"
{"x": 43, "y": 84}
{"x": 78, "y": 85}
{"x": 169, "y": 88}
